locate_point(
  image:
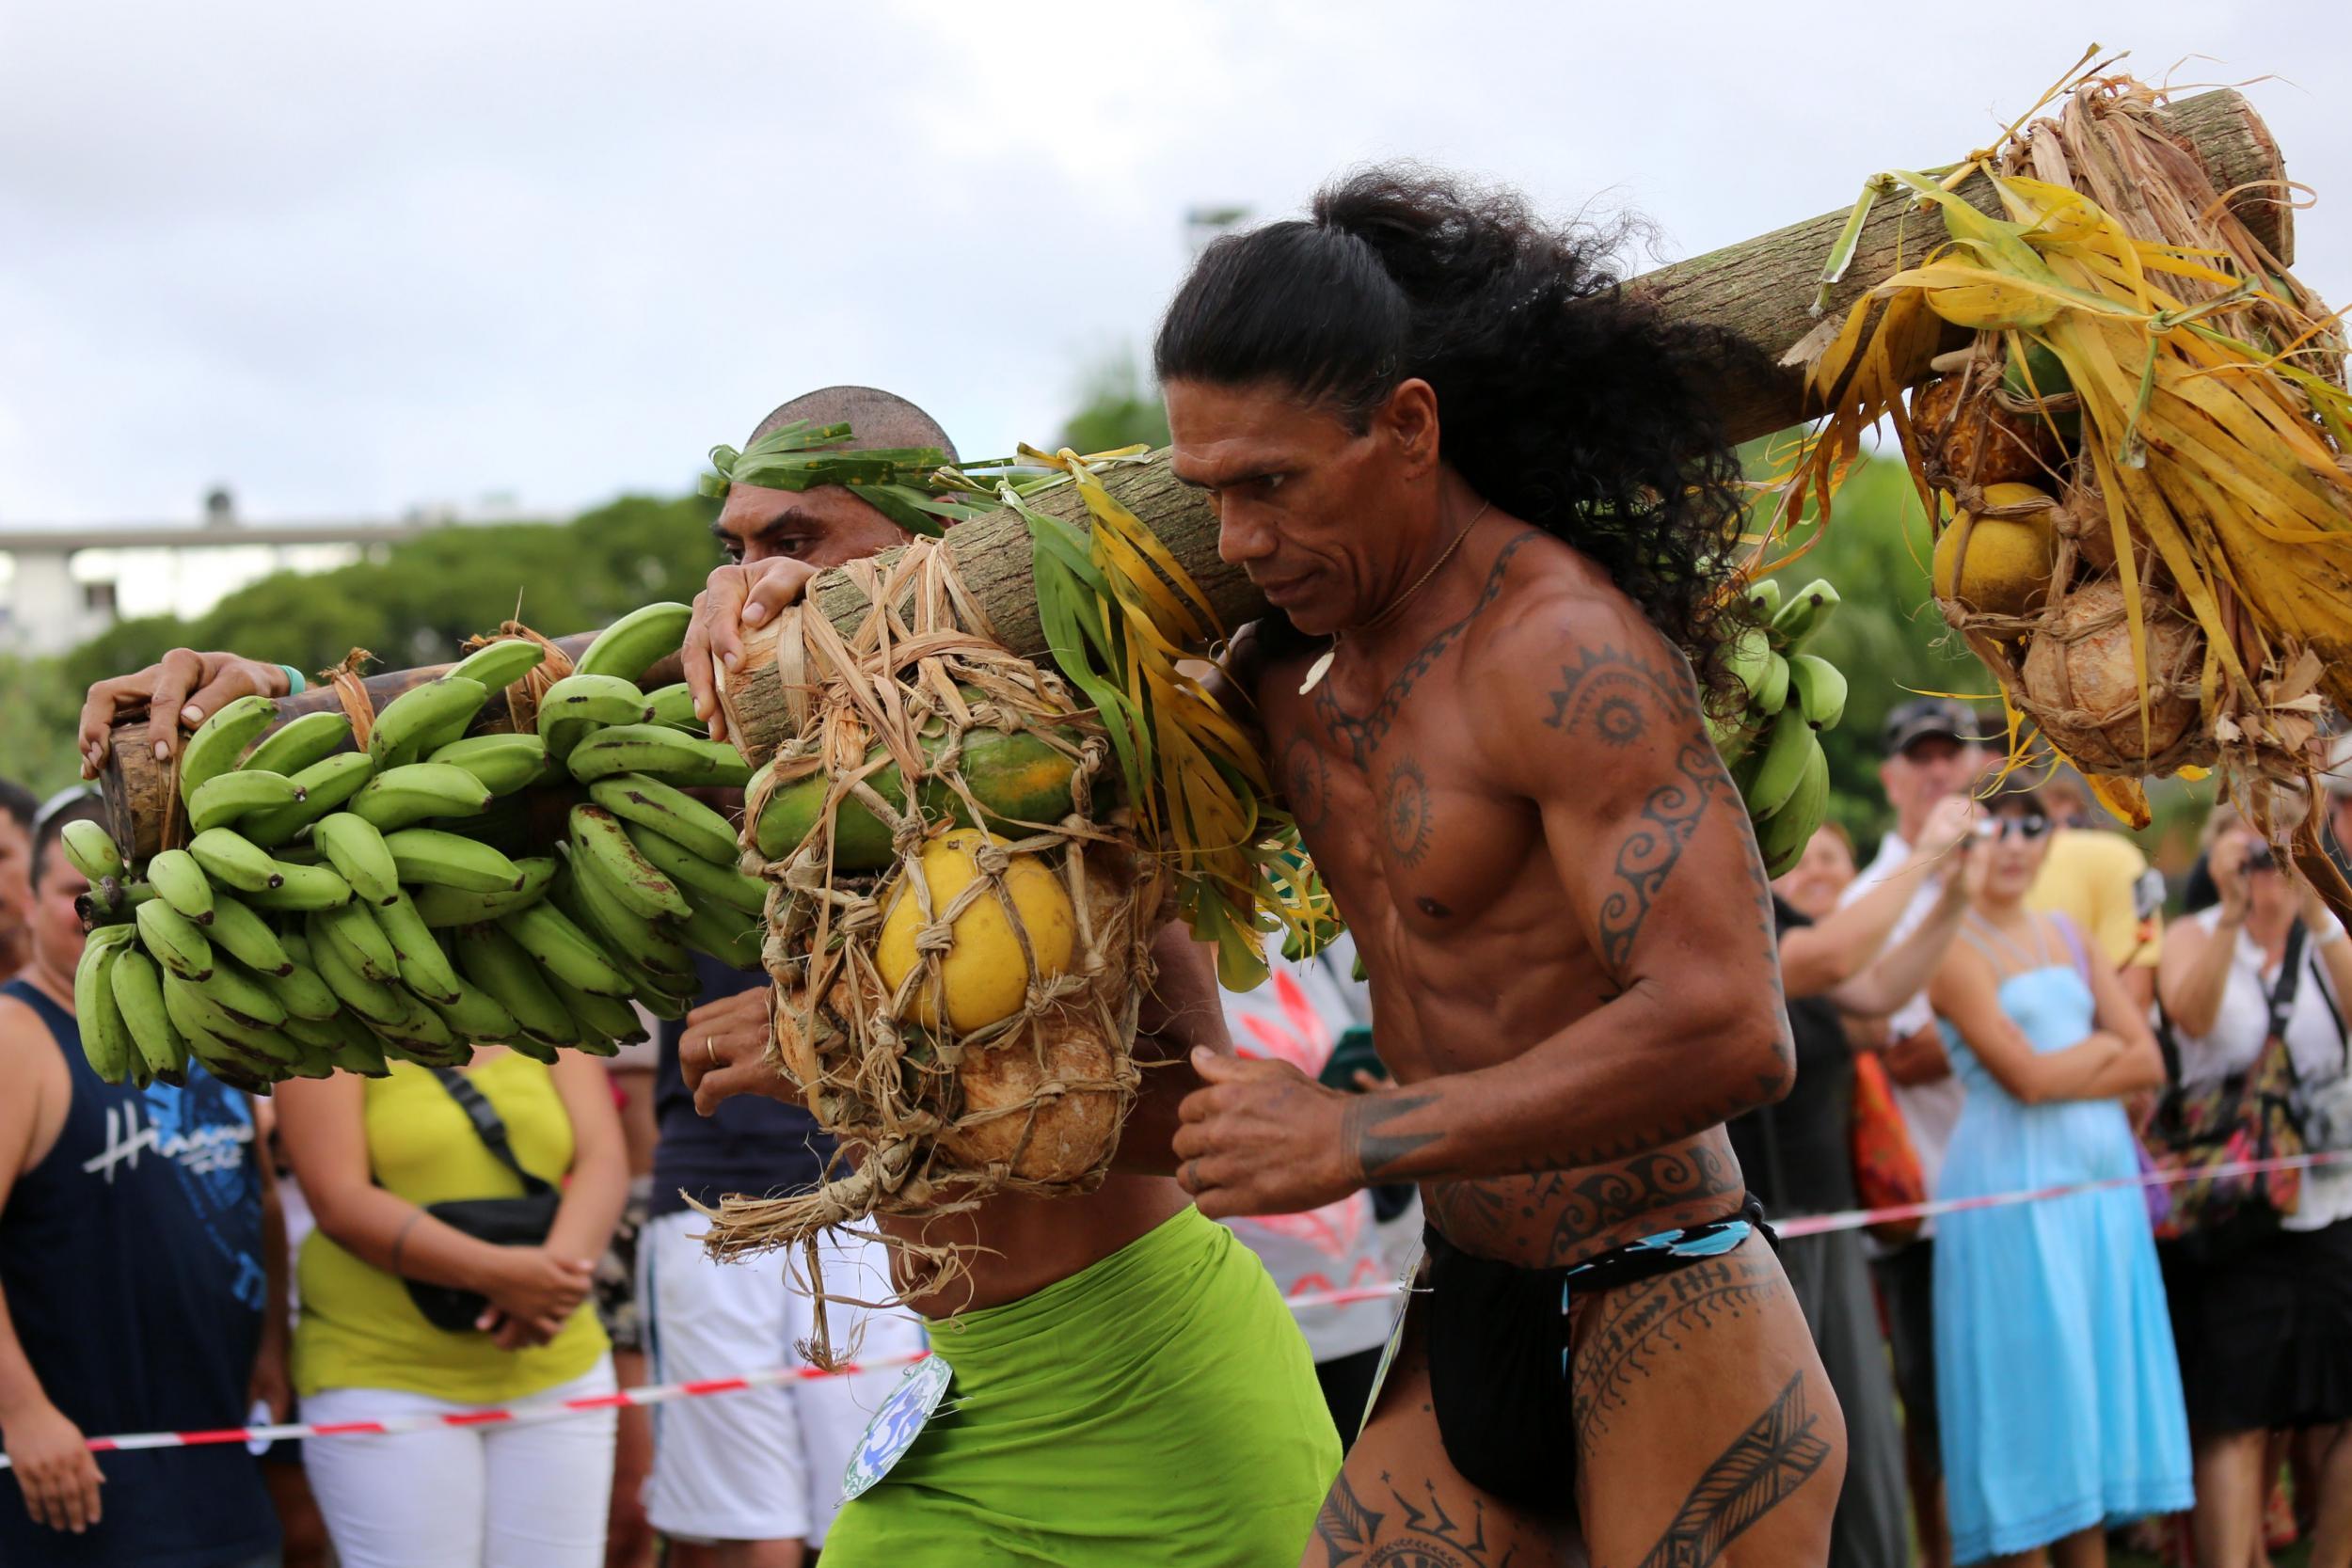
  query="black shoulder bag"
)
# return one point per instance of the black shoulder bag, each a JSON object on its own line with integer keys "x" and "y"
{"x": 523, "y": 1221}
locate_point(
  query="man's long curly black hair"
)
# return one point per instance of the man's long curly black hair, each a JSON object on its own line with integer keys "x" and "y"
{"x": 1560, "y": 399}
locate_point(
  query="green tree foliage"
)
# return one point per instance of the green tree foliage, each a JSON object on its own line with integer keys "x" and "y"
{"x": 413, "y": 604}
{"x": 1117, "y": 407}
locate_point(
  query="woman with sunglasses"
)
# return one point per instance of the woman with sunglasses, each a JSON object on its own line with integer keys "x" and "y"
{"x": 2265, "y": 1328}
{"x": 2060, "y": 1397}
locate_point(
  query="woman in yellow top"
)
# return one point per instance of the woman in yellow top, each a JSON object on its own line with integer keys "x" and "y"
{"x": 370, "y": 1154}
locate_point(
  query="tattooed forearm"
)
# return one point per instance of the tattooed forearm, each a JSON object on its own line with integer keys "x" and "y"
{"x": 1632, "y": 1327}
{"x": 1776, "y": 1456}
{"x": 1362, "y": 1127}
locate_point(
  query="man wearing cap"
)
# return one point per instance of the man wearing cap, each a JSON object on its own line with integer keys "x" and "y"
{"x": 1932, "y": 755}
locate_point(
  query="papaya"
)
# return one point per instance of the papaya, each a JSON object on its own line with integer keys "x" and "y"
{"x": 1017, "y": 778}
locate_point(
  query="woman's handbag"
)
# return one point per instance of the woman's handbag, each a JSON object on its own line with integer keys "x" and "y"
{"x": 1886, "y": 1169}
{"x": 523, "y": 1221}
{"x": 2246, "y": 1117}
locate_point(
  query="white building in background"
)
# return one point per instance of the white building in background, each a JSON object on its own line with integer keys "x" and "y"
{"x": 61, "y": 585}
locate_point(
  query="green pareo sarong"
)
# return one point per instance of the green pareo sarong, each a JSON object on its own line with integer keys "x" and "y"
{"x": 1158, "y": 1409}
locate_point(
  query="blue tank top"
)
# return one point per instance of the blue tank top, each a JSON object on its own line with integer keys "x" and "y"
{"x": 132, "y": 1259}
{"x": 750, "y": 1144}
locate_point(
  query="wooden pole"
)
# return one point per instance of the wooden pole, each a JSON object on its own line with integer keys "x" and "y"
{"x": 1761, "y": 292}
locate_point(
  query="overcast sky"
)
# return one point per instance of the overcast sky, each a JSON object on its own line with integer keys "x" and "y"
{"x": 353, "y": 258}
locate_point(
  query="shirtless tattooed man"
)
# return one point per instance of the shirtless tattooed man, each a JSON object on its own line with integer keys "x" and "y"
{"x": 1486, "y": 499}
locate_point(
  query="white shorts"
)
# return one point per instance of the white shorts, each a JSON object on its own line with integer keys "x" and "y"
{"x": 531, "y": 1495}
{"x": 766, "y": 1464}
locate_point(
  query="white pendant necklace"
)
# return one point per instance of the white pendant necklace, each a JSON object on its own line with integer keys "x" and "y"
{"x": 1322, "y": 666}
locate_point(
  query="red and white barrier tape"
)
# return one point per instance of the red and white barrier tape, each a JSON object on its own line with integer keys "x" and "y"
{"x": 664, "y": 1393}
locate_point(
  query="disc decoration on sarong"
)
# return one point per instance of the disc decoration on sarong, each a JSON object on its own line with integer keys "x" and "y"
{"x": 2137, "y": 464}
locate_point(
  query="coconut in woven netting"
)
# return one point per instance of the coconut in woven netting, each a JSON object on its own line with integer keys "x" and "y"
{"x": 960, "y": 920}
{"x": 2136, "y": 459}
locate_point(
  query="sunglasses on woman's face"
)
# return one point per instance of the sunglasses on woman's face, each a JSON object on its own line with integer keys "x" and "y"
{"x": 2027, "y": 828}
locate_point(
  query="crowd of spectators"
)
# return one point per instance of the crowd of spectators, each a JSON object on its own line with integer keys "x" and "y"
{"x": 1993, "y": 1003}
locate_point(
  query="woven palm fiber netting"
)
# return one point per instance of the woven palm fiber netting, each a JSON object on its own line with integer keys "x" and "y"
{"x": 959, "y": 935}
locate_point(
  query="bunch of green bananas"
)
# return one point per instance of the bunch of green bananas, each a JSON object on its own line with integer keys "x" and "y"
{"x": 336, "y": 906}
{"x": 1773, "y": 746}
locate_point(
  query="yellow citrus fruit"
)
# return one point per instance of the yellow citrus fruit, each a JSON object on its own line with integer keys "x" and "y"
{"x": 982, "y": 974}
{"x": 2010, "y": 560}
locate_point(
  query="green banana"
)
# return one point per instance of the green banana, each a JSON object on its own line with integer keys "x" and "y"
{"x": 1782, "y": 766}
{"x": 221, "y": 739}
{"x": 231, "y": 858}
{"x": 90, "y": 849}
{"x": 227, "y": 797}
{"x": 345, "y": 1038}
{"x": 175, "y": 941}
{"x": 106, "y": 1037}
{"x": 502, "y": 763}
{"x": 674, "y": 705}
{"x": 578, "y": 706}
{"x": 475, "y": 1016}
{"x": 726, "y": 936}
{"x": 537, "y": 1051}
{"x": 421, "y": 711}
{"x": 1764, "y": 600}
{"x": 1818, "y": 688}
{"x": 1772, "y": 693}
{"x": 499, "y": 665}
{"x": 641, "y": 949}
{"x": 601, "y": 844}
{"x": 326, "y": 784}
{"x": 700, "y": 880}
{"x": 1732, "y": 737}
{"x": 660, "y": 752}
{"x": 244, "y": 997}
{"x": 1805, "y": 613}
{"x": 214, "y": 1041}
{"x": 498, "y": 964}
{"x": 1748, "y": 658}
{"x": 450, "y": 860}
{"x": 1781, "y": 841}
{"x": 423, "y": 967}
{"x": 298, "y": 743}
{"x": 441, "y": 906}
{"x": 179, "y": 882}
{"x": 670, "y": 812}
{"x": 632, "y": 644}
{"x": 303, "y": 887}
{"x": 569, "y": 955}
{"x": 352, "y": 929}
{"x": 355, "y": 847}
{"x": 372, "y": 1001}
{"x": 202, "y": 1013}
{"x": 604, "y": 1023}
{"x": 412, "y": 792}
{"x": 304, "y": 994}
{"x": 138, "y": 988}
{"x": 246, "y": 937}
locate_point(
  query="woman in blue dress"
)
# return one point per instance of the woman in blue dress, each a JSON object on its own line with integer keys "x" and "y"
{"x": 2061, "y": 1397}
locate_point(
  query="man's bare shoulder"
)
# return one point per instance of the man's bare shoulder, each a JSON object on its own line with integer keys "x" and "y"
{"x": 25, "y": 1043}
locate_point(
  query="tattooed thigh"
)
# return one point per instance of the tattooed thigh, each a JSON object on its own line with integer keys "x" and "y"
{"x": 1707, "y": 1434}
{"x": 1400, "y": 1503}
{"x": 1623, "y": 1336}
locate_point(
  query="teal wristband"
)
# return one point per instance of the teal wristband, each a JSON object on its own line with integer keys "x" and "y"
{"x": 294, "y": 679}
